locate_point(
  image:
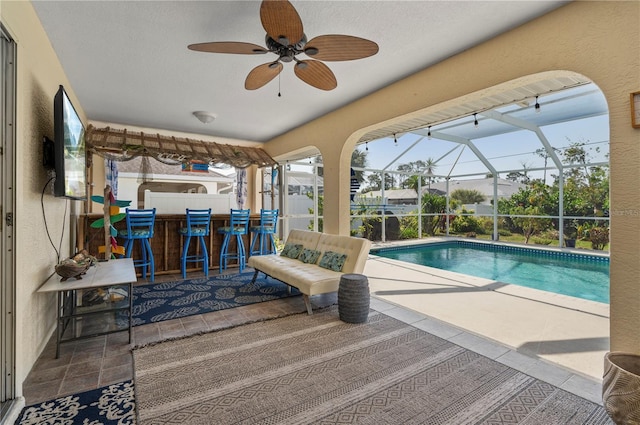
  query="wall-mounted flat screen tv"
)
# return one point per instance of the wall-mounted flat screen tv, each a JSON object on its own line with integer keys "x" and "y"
{"x": 69, "y": 149}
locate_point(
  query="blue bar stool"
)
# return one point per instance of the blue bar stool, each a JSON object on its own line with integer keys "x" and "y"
{"x": 264, "y": 233}
{"x": 140, "y": 227}
{"x": 198, "y": 222}
{"x": 238, "y": 226}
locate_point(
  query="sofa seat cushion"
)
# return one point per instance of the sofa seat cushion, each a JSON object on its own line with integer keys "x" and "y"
{"x": 308, "y": 278}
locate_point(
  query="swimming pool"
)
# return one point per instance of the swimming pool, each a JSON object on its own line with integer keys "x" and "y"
{"x": 577, "y": 275}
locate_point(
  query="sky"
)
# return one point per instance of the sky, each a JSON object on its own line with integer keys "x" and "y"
{"x": 506, "y": 152}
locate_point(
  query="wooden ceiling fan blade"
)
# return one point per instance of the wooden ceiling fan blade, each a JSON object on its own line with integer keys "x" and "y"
{"x": 281, "y": 21}
{"x": 336, "y": 47}
{"x": 316, "y": 74}
{"x": 262, "y": 74}
{"x": 228, "y": 47}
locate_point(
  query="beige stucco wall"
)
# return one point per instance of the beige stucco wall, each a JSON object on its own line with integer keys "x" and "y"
{"x": 600, "y": 40}
{"x": 38, "y": 76}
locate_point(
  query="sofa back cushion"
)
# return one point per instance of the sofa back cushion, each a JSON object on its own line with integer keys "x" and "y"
{"x": 309, "y": 256}
{"x": 291, "y": 250}
{"x": 332, "y": 261}
{"x": 355, "y": 249}
{"x": 306, "y": 238}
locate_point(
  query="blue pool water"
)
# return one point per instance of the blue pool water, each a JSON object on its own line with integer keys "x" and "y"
{"x": 576, "y": 275}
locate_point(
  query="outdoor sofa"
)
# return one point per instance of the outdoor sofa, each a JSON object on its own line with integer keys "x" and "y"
{"x": 313, "y": 262}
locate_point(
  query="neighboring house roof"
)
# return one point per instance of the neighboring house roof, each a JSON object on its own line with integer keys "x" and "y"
{"x": 506, "y": 188}
{"x": 391, "y": 194}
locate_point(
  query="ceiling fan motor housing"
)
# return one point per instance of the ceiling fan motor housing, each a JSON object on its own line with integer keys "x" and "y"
{"x": 286, "y": 52}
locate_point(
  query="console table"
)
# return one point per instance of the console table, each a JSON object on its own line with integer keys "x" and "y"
{"x": 77, "y": 321}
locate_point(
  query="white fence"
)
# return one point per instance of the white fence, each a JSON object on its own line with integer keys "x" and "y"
{"x": 177, "y": 203}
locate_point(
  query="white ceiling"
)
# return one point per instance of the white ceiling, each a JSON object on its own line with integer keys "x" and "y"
{"x": 128, "y": 62}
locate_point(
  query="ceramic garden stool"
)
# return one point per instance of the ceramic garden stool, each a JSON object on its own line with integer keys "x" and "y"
{"x": 353, "y": 298}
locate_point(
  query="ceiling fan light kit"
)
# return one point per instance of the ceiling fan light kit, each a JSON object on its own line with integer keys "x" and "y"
{"x": 285, "y": 38}
{"x": 204, "y": 116}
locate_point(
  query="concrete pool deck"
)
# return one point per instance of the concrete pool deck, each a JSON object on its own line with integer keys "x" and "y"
{"x": 553, "y": 337}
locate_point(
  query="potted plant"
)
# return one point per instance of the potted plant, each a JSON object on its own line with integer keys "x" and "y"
{"x": 570, "y": 242}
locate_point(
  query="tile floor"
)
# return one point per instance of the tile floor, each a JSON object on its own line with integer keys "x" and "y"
{"x": 99, "y": 361}
{"x": 95, "y": 362}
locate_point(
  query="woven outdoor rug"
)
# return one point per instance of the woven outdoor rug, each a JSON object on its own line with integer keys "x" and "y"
{"x": 156, "y": 302}
{"x": 304, "y": 369}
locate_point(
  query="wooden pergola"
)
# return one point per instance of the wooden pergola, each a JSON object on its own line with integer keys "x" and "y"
{"x": 123, "y": 145}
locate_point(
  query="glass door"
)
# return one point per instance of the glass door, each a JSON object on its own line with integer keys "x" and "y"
{"x": 7, "y": 197}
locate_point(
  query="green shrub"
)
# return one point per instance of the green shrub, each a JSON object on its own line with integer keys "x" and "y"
{"x": 504, "y": 232}
{"x": 409, "y": 227}
{"x": 539, "y": 240}
{"x": 546, "y": 237}
{"x": 466, "y": 223}
{"x": 599, "y": 237}
{"x": 550, "y": 234}
{"x": 486, "y": 224}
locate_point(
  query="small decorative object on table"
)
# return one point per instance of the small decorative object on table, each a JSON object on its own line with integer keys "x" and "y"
{"x": 75, "y": 266}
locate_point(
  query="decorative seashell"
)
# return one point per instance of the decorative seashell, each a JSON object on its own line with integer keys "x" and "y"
{"x": 70, "y": 268}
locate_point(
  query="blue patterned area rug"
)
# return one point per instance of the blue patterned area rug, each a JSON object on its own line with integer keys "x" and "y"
{"x": 171, "y": 300}
{"x": 110, "y": 405}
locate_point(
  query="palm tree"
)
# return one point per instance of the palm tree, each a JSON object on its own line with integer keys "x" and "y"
{"x": 430, "y": 165}
{"x": 414, "y": 182}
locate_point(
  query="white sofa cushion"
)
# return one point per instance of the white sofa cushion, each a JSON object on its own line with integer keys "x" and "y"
{"x": 310, "y": 278}
{"x": 305, "y": 237}
{"x": 356, "y": 250}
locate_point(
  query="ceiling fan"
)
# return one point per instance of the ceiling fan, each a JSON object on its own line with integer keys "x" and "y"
{"x": 285, "y": 38}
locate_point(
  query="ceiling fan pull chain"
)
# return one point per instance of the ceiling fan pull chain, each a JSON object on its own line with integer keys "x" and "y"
{"x": 279, "y": 95}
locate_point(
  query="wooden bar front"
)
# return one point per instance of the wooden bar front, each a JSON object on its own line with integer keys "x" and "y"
{"x": 167, "y": 242}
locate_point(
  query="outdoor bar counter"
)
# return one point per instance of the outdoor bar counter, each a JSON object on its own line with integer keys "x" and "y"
{"x": 167, "y": 243}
